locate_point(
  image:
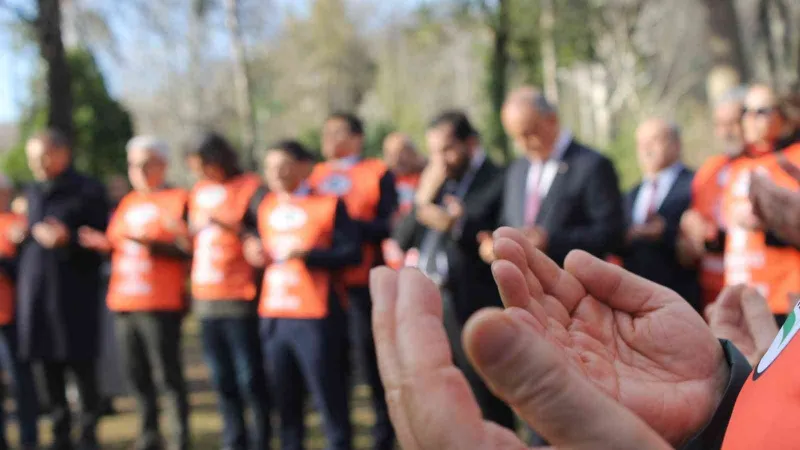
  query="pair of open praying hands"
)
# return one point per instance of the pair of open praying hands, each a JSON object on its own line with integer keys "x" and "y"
{"x": 590, "y": 356}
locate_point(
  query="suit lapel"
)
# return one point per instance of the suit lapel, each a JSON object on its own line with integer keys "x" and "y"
{"x": 673, "y": 191}
{"x": 554, "y": 193}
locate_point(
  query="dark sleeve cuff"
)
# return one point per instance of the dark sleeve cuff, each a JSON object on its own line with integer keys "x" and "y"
{"x": 711, "y": 436}
{"x": 771, "y": 240}
{"x": 717, "y": 245}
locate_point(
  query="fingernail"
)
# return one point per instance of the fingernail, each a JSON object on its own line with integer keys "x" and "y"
{"x": 497, "y": 335}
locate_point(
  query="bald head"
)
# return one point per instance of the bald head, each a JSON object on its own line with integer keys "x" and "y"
{"x": 762, "y": 122}
{"x": 658, "y": 145}
{"x": 531, "y": 121}
{"x": 400, "y": 154}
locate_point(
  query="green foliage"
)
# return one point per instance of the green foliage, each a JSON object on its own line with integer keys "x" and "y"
{"x": 102, "y": 125}
{"x": 311, "y": 138}
{"x": 375, "y": 134}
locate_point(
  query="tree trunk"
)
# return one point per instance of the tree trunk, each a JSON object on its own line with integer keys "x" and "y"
{"x": 547, "y": 21}
{"x": 51, "y": 48}
{"x": 498, "y": 78}
{"x": 725, "y": 44}
{"x": 242, "y": 84}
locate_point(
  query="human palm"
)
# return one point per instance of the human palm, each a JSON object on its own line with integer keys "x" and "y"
{"x": 640, "y": 343}
{"x": 576, "y": 353}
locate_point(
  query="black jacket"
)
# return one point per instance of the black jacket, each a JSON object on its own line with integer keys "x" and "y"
{"x": 582, "y": 209}
{"x": 58, "y": 289}
{"x": 658, "y": 261}
{"x": 471, "y": 282}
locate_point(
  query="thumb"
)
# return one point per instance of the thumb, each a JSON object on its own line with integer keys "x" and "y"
{"x": 788, "y": 167}
{"x": 759, "y": 318}
{"x": 529, "y": 373}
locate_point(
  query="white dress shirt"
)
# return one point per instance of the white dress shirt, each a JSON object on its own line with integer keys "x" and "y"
{"x": 664, "y": 180}
{"x": 542, "y": 173}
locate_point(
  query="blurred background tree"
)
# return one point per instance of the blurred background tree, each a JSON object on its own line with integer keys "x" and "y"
{"x": 260, "y": 71}
{"x": 102, "y": 126}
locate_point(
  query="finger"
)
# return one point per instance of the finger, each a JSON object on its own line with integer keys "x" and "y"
{"x": 554, "y": 281}
{"x": 511, "y": 251}
{"x": 536, "y": 299}
{"x": 788, "y": 167}
{"x": 428, "y": 377}
{"x": 727, "y": 309}
{"x": 50, "y": 220}
{"x": 616, "y": 286}
{"x": 383, "y": 291}
{"x": 418, "y": 321}
{"x": 709, "y": 312}
{"x": 534, "y": 377}
{"x": 483, "y": 236}
{"x": 515, "y": 291}
{"x": 759, "y": 318}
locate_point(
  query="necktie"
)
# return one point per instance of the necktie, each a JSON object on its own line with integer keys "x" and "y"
{"x": 433, "y": 259}
{"x": 534, "y": 199}
{"x": 652, "y": 204}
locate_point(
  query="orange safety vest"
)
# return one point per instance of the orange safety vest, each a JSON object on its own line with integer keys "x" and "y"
{"x": 775, "y": 272}
{"x": 406, "y": 186}
{"x": 290, "y": 289}
{"x": 140, "y": 281}
{"x": 7, "y": 250}
{"x": 359, "y": 187}
{"x": 708, "y": 188}
{"x": 766, "y": 410}
{"x": 219, "y": 269}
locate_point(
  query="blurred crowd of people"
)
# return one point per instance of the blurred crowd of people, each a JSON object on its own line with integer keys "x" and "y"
{"x": 276, "y": 266}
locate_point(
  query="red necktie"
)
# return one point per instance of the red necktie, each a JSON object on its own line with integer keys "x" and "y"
{"x": 534, "y": 199}
{"x": 652, "y": 204}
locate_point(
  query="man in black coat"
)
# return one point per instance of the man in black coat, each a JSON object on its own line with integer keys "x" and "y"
{"x": 654, "y": 209}
{"x": 458, "y": 197}
{"x": 565, "y": 195}
{"x": 59, "y": 282}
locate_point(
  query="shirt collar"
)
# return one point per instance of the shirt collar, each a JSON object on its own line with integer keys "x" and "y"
{"x": 667, "y": 175}
{"x": 302, "y": 191}
{"x": 560, "y": 146}
{"x": 346, "y": 162}
{"x": 477, "y": 159}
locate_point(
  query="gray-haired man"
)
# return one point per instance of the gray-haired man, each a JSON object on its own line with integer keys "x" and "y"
{"x": 147, "y": 240}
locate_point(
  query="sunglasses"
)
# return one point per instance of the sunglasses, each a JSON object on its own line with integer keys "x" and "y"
{"x": 763, "y": 111}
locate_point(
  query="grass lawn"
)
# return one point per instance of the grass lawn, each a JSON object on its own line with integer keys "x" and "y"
{"x": 119, "y": 432}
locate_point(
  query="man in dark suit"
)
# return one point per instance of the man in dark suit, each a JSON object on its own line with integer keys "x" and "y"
{"x": 460, "y": 194}
{"x": 58, "y": 284}
{"x": 654, "y": 209}
{"x": 565, "y": 195}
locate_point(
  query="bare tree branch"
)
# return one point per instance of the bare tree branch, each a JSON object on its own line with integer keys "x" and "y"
{"x": 21, "y": 15}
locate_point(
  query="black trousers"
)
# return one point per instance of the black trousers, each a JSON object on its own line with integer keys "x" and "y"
{"x": 492, "y": 407}
{"x": 359, "y": 318}
{"x": 309, "y": 355}
{"x": 85, "y": 375}
{"x": 150, "y": 344}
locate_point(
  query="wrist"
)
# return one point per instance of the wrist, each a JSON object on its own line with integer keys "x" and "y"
{"x": 732, "y": 372}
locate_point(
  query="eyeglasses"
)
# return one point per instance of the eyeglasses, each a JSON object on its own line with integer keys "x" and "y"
{"x": 763, "y": 111}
